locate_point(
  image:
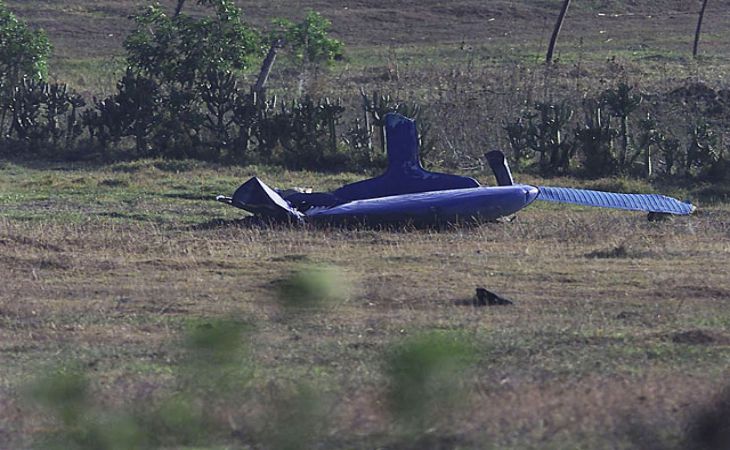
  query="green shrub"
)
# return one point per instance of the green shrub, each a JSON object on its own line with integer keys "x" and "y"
{"x": 181, "y": 50}
{"x": 23, "y": 51}
{"x": 309, "y": 39}
{"x": 23, "y": 56}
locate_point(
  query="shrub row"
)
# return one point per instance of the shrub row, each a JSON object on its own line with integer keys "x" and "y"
{"x": 616, "y": 132}
{"x": 217, "y": 121}
{"x": 612, "y": 134}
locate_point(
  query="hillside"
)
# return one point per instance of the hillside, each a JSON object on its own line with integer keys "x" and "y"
{"x": 90, "y": 28}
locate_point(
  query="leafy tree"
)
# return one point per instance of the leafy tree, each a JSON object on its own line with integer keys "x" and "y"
{"x": 309, "y": 39}
{"x": 182, "y": 49}
{"x": 23, "y": 54}
{"x": 182, "y": 53}
{"x": 23, "y": 51}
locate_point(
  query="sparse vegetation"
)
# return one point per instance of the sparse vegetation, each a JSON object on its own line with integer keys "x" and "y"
{"x": 174, "y": 102}
{"x": 153, "y": 317}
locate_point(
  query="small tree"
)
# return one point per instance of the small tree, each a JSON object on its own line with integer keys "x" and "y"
{"x": 621, "y": 103}
{"x": 594, "y": 136}
{"x": 23, "y": 54}
{"x": 23, "y": 51}
{"x": 309, "y": 42}
{"x": 181, "y": 53}
{"x": 309, "y": 39}
{"x": 702, "y": 148}
{"x": 183, "y": 49}
{"x": 548, "y": 136}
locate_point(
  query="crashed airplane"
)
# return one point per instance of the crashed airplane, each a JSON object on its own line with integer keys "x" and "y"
{"x": 408, "y": 194}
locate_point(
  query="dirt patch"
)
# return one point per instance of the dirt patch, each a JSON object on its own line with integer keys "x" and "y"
{"x": 292, "y": 258}
{"x": 52, "y": 263}
{"x": 692, "y": 292}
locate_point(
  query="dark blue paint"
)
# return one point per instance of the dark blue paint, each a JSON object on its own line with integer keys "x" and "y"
{"x": 404, "y": 175}
{"x": 406, "y": 192}
{"x": 482, "y": 203}
{"x": 257, "y": 198}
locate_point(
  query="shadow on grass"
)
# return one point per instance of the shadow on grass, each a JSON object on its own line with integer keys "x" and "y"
{"x": 132, "y": 217}
{"x": 243, "y": 222}
{"x": 370, "y": 227}
{"x": 189, "y": 196}
{"x": 708, "y": 428}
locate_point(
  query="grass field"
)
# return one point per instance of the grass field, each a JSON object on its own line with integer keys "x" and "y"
{"x": 618, "y": 338}
{"x": 619, "y": 330}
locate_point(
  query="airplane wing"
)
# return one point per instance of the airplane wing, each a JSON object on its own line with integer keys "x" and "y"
{"x": 634, "y": 202}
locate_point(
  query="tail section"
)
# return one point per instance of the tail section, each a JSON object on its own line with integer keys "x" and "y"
{"x": 651, "y": 203}
{"x": 404, "y": 175}
{"x": 499, "y": 166}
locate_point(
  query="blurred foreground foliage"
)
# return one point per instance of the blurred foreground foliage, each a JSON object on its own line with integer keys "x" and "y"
{"x": 217, "y": 395}
{"x": 427, "y": 384}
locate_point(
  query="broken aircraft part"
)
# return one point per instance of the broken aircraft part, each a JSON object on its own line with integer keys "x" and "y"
{"x": 407, "y": 193}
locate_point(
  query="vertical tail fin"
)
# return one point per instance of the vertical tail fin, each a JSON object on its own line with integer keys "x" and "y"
{"x": 499, "y": 166}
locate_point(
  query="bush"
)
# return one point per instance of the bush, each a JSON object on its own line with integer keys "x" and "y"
{"x": 309, "y": 39}
{"x": 44, "y": 116}
{"x": 181, "y": 50}
{"x": 192, "y": 62}
{"x": 23, "y": 51}
{"x": 23, "y": 55}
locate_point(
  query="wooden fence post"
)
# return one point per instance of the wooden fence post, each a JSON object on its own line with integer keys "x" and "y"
{"x": 699, "y": 29}
{"x": 556, "y": 32}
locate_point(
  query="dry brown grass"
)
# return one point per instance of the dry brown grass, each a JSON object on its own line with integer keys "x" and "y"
{"x": 593, "y": 348}
{"x": 619, "y": 332}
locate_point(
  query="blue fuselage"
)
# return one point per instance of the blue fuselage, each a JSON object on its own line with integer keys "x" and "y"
{"x": 482, "y": 203}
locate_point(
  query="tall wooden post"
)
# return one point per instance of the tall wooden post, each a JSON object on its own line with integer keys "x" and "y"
{"x": 267, "y": 65}
{"x": 556, "y": 32}
{"x": 699, "y": 29}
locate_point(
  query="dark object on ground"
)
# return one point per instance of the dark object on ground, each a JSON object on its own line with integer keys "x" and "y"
{"x": 484, "y": 297}
{"x": 658, "y": 217}
{"x": 693, "y": 337}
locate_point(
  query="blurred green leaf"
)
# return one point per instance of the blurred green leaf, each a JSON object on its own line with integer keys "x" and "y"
{"x": 313, "y": 287}
{"x": 426, "y": 376}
